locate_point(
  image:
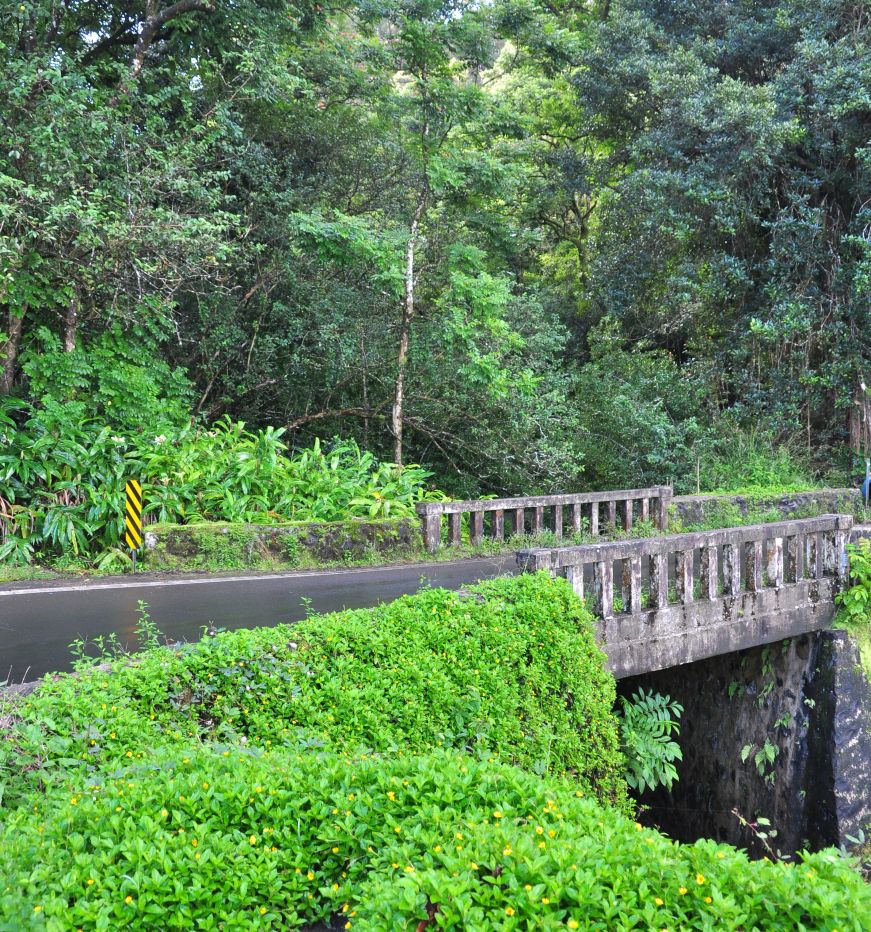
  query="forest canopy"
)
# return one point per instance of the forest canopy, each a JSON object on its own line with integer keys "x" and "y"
{"x": 531, "y": 246}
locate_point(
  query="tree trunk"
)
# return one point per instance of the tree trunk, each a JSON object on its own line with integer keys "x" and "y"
{"x": 9, "y": 350}
{"x": 71, "y": 323}
{"x": 405, "y": 328}
{"x": 859, "y": 423}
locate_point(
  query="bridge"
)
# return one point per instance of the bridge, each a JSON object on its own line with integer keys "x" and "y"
{"x": 670, "y": 600}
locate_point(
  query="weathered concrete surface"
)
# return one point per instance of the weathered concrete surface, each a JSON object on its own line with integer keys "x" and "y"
{"x": 682, "y": 634}
{"x": 777, "y": 580}
{"x": 691, "y": 510}
{"x": 808, "y": 697}
{"x": 235, "y": 545}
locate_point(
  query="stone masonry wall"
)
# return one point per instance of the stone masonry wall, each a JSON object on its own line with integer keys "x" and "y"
{"x": 806, "y": 696}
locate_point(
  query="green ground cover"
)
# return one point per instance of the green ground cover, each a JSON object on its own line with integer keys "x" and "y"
{"x": 442, "y": 759}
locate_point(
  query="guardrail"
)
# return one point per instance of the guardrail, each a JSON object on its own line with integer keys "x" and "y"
{"x": 590, "y": 511}
{"x": 721, "y": 562}
{"x": 690, "y": 596}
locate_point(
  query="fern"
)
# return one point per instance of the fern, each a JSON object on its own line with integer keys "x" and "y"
{"x": 647, "y": 727}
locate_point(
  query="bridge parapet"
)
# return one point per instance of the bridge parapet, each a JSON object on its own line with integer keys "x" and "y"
{"x": 684, "y": 597}
{"x": 590, "y": 511}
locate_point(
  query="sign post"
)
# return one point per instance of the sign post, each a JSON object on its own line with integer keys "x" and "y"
{"x": 133, "y": 518}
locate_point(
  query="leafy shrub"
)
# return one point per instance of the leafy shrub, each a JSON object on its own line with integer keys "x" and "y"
{"x": 62, "y": 480}
{"x": 196, "y": 838}
{"x": 751, "y": 459}
{"x": 854, "y": 602}
{"x": 513, "y": 671}
{"x": 647, "y": 726}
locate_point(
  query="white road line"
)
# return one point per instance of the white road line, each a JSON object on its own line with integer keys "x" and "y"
{"x": 164, "y": 583}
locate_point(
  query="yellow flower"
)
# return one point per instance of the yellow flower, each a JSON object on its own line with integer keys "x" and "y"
{"x": 335, "y": 886}
{"x": 206, "y": 785}
{"x": 194, "y": 842}
{"x": 310, "y": 875}
{"x": 573, "y": 924}
{"x": 498, "y": 815}
{"x": 252, "y": 840}
{"x": 90, "y": 881}
{"x": 658, "y": 901}
{"x": 507, "y": 851}
{"x": 545, "y": 900}
{"x": 437, "y": 848}
{"x": 164, "y": 813}
{"x": 409, "y": 869}
{"x": 37, "y": 909}
{"x": 539, "y": 830}
{"x": 707, "y": 899}
{"x": 335, "y": 850}
{"x": 527, "y": 886}
{"x": 128, "y": 900}
{"x": 262, "y": 910}
{"x": 700, "y": 879}
{"x": 509, "y": 911}
{"x": 682, "y": 891}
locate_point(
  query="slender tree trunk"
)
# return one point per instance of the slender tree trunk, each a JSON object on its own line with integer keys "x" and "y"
{"x": 405, "y": 328}
{"x": 9, "y": 350}
{"x": 858, "y": 422}
{"x": 71, "y": 323}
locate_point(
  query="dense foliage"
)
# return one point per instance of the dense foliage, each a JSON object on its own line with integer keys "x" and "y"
{"x": 441, "y": 758}
{"x": 61, "y": 483}
{"x": 513, "y": 672}
{"x": 384, "y": 844}
{"x": 527, "y": 245}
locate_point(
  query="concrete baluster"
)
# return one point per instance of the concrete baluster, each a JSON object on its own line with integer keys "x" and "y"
{"x": 576, "y": 518}
{"x": 754, "y": 566}
{"x": 659, "y": 580}
{"x": 476, "y": 527}
{"x": 558, "y": 520}
{"x": 627, "y": 515}
{"x": 644, "y": 512}
{"x": 432, "y": 531}
{"x": 455, "y": 528}
{"x": 662, "y": 504}
{"x": 594, "y": 519}
{"x": 605, "y": 589}
{"x": 611, "y": 511}
{"x": 575, "y": 576}
{"x": 797, "y": 552}
{"x": 497, "y": 524}
{"x": 819, "y": 561}
{"x": 517, "y": 523}
{"x": 538, "y": 519}
{"x": 775, "y": 562}
{"x": 684, "y": 576}
{"x": 709, "y": 570}
{"x": 732, "y": 569}
{"x": 632, "y": 585}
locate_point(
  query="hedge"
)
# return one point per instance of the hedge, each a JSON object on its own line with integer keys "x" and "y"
{"x": 206, "y": 839}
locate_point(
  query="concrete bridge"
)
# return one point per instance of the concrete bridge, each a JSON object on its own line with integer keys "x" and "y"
{"x": 672, "y": 600}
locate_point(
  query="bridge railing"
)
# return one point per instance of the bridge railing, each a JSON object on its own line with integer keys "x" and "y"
{"x": 590, "y": 511}
{"x": 698, "y": 567}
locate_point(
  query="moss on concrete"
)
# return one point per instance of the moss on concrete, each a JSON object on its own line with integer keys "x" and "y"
{"x": 296, "y": 546}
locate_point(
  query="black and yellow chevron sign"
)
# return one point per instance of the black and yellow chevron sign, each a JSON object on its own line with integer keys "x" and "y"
{"x": 133, "y": 515}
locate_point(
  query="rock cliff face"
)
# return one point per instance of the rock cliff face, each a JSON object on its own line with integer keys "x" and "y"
{"x": 807, "y": 703}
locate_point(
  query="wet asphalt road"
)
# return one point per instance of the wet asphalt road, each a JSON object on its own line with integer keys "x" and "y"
{"x": 38, "y": 621}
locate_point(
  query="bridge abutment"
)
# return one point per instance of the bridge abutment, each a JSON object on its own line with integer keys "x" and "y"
{"x": 807, "y": 697}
